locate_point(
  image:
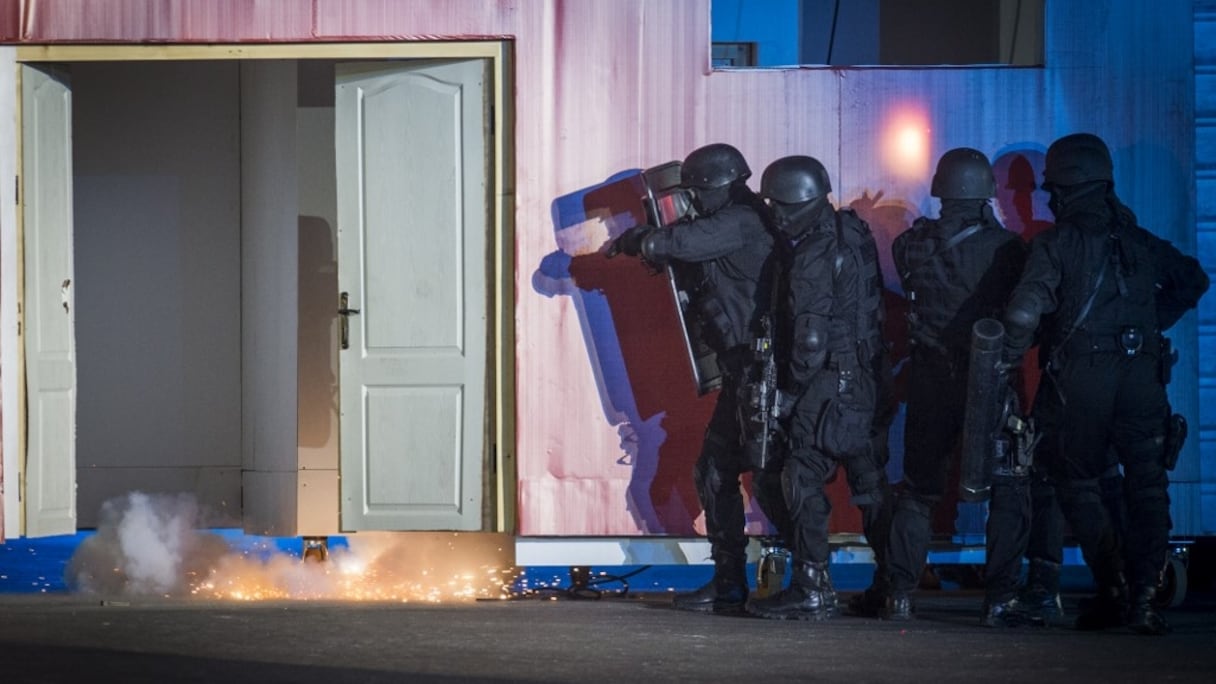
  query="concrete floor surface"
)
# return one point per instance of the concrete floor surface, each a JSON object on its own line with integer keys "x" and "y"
{"x": 78, "y": 638}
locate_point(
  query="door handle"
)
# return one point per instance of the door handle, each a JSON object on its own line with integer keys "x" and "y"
{"x": 345, "y": 312}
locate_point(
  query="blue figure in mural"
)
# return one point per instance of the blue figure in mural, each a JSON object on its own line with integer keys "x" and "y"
{"x": 955, "y": 270}
{"x": 833, "y": 379}
{"x": 638, "y": 402}
{"x": 730, "y": 249}
{"x": 1098, "y": 293}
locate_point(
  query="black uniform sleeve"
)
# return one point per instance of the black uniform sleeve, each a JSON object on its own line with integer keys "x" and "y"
{"x": 713, "y": 236}
{"x": 1008, "y": 264}
{"x": 1180, "y": 282}
{"x": 1036, "y": 294}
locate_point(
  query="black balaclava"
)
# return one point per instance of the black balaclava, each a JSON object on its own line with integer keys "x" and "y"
{"x": 967, "y": 212}
{"x": 708, "y": 201}
{"x": 795, "y": 220}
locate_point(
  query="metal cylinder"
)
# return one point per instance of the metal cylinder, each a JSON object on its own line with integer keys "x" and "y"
{"x": 771, "y": 569}
{"x": 983, "y": 411}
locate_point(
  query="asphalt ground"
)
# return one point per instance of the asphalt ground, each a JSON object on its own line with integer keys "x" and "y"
{"x": 61, "y": 637}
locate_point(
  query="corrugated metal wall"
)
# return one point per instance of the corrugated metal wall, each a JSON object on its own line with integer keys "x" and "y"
{"x": 605, "y": 446}
{"x": 1205, "y": 234}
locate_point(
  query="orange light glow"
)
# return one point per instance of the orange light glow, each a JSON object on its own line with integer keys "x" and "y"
{"x": 906, "y": 143}
{"x": 392, "y": 572}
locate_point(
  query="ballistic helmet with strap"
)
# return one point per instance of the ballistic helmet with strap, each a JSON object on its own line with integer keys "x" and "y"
{"x": 963, "y": 173}
{"x": 1078, "y": 158}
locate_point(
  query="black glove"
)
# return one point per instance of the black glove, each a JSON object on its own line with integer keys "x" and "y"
{"x": 1011, "y": 359}
{"x": 785, "y": 404}
{"x": 1005, "y": 367}
{"x": 629, "y": 243}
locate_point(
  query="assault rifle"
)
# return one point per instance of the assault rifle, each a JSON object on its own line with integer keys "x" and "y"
{"x": 764, "y": 398}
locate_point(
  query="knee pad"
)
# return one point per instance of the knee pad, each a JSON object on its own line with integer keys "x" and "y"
{"x": 801, "y": 487}
{"x": 1144, "y": 465}
{"x": 1146, "y": 485}
{"x": 707, "y": 472}
{"x": 1074, "y": 493}
{"x": 869, "y": 488}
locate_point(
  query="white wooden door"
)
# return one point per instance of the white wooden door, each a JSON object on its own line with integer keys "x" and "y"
{"x": 49, "y": 331}
{"x": 411, "y": 142}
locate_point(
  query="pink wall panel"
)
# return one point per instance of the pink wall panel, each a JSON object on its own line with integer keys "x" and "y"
{"x": 161, "y": 20}
{"x": 422, "y": 19}
{"x": 608, "y": 425}
{"x": 10, "y": 20}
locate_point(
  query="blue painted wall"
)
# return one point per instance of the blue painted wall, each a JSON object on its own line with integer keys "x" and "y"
{"x": 1205, "y": 233}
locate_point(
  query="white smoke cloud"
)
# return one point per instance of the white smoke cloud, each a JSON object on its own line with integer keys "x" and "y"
{"x": 153, "y": 544}
{"x": 146, "y": 544}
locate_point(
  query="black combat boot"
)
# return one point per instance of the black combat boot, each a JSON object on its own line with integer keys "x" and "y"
{"x": 725, "y": 593}
{"x": 1007, "y": 612}
{"x": 1106, "y": 610}
{"x": 870, "y": 603}
{"x": 1041, "y": 596}
{"x": 810, "y": 596}
{"x": 898, "y": 606}
{"x": 1142, "y": 616}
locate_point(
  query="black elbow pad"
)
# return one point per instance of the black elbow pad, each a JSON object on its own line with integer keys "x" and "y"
{"x": 1021, "y": 317}
{"x": 812, "y": 339}
{"x": 656, "y": 246}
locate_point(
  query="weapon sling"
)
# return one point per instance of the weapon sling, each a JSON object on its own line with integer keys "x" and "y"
{"x": 1053, "y": 363}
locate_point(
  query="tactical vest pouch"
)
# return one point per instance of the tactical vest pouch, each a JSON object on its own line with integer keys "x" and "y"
{"x": 1175, "y": 437}
{"x": 716, "y": 322}
{"x": 843, "y": 430}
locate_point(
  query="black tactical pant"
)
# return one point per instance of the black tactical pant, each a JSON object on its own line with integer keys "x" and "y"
{"x": 936, "y": 395}
{"x": 1095, "y": 402}
{"x": 1046, "y": 542}
{"x": 831, "y": 427}
{"x": 1006, "y": 535}
{"x": 717, "y": 475}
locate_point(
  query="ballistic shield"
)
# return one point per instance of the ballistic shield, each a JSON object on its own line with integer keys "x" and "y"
{"x": 667, "y": 203}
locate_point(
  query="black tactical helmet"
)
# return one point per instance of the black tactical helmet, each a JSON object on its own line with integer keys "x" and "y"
{"x": 1078, "y": 158}
{"x": 713, "y": 166}
{"x": 963, "y": 173}
{"x": 794, "y": 180}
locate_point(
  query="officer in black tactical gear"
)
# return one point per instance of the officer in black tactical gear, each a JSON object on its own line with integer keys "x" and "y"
{"x": 1099, "y": 291}
{"x": 955, "y": 270}
{"x": 734, "y": 250}
{"x": 830, "y": 350}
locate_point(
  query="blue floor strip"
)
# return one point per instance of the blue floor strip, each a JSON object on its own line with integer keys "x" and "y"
{"x": 38, "y": 566}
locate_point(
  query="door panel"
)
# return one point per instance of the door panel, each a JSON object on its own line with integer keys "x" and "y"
{"x": 50, "y": 345}
{"x": 412, "y": 224}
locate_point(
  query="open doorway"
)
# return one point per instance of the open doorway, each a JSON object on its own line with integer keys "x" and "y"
{"x": 156, "y": 152}
{"x": 204, "y": 296}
